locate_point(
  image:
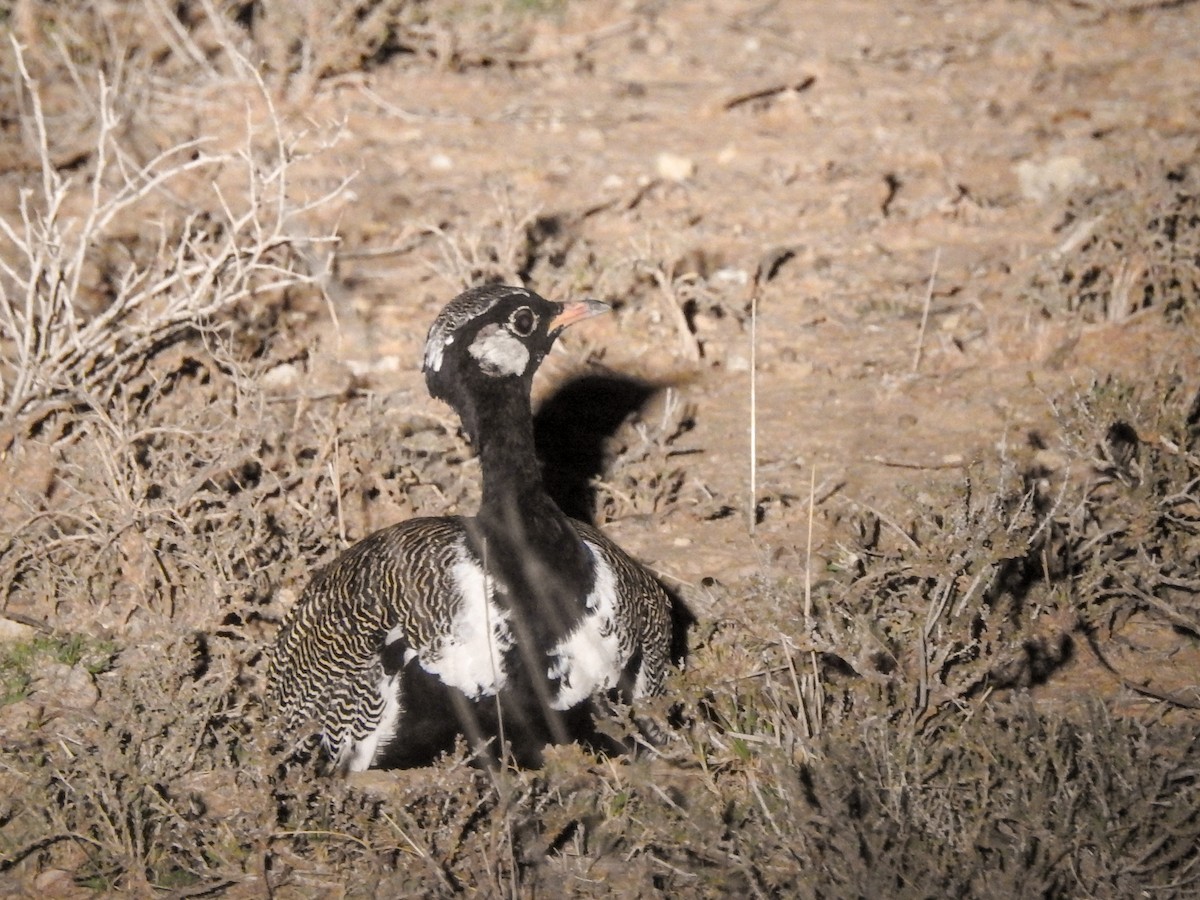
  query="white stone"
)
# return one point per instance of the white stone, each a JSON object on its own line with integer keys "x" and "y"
{"x": 1039, "y": 181}
{"x": 280, "y": 379}
{"x": 674, "y": 167}
{"x": 16, "y": 631}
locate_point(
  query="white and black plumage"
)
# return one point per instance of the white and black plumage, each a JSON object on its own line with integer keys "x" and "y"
{"x": 510, "y": 621}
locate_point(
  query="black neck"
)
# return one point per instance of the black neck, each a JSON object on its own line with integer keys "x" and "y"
{"x": 521, "y": 534}
{"x": 518, "y": 518}
{"x": 501, "y": 431}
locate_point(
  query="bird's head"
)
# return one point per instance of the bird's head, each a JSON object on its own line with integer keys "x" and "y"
{"x": 493, "y": 337}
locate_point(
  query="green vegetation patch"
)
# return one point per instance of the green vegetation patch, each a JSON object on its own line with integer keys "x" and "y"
{"x": 19, "y": 660}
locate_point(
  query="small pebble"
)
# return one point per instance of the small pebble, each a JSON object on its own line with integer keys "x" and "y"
{"x": 731, "y": 276}
{"x": 280, "y": 379}
{"x": 591, "y": 137}
{"x": 16, "y": 631}
{"x": 675, "y": 168}
{"x": 1058, "y": 175}
{"x": 69, "y": 687}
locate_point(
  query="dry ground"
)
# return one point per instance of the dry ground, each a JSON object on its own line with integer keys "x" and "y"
{"x": 956, "y": 244}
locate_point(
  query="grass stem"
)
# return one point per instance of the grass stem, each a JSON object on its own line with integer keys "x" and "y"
{"x": 937, "y": 255}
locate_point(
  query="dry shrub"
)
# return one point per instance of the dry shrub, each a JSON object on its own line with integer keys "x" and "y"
{"x": 128, "y": 411}
{"x": 124, "y": 789}
{"x": 1133, "y": 544}
{"x": 860, "y": 738}
{"x": 1012, "y": 802}
{"x": 1129, "y": 248}
{"x": 873, "y": 737}
{"x": 90, "y": 289}
{"x": 315, "y": 39}
{"x": 500, "y": 246}
{"x": 194, "y": 497}
{"x": 295, "y": 44}
{"x": 954, "y": 600}
{"x": 645, "y": 472}
{"x": 175, "y": 784}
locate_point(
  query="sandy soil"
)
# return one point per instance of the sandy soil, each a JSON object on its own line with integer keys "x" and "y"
{"x": 913, "y": 160}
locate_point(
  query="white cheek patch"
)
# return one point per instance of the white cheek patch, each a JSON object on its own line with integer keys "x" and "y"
{"x": 498, "y": 352}
{"x": 434, "y": 350}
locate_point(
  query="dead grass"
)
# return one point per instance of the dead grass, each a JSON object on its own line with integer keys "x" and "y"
{"x": 294, "y": 47}
{"x": 881, "y": 746}
{"x": 1129, "y": 247}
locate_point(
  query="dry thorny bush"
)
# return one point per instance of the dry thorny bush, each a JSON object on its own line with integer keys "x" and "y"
{"x": 862, "y": 731}
{"x": 294, "y": 45}
{"x": 1129, "y": 248}
{"x": 1135, "y": 548}
{"x": 859, "y": 737}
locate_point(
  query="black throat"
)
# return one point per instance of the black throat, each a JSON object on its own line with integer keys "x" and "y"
{"x": 526, "y": 538}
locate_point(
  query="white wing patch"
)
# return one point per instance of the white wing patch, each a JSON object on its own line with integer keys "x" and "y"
{"x": 498, "y": 351}
{"x": 589, "y": 659}
{"x": 471, "y": 656}
{"x": 361, "y": 754}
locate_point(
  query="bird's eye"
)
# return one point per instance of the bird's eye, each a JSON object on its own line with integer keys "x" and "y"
{"x": 523, "y": 321}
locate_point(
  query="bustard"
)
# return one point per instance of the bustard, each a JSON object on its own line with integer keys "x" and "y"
{"x": 511, "y": 622}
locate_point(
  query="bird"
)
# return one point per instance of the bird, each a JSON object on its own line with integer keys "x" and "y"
{"x": 511, "y": 628}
